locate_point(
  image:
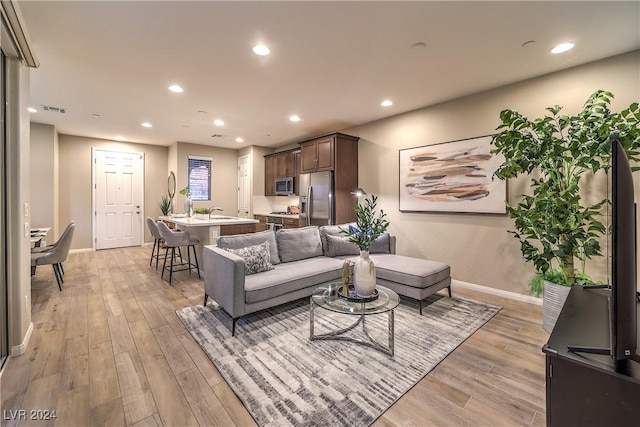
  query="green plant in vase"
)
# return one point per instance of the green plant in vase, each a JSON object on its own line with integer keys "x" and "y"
{"x": 188, "y": 204}
{"x": 165, "y": 205}
{"x": 369, "y": 226}
{"x": 554, "y": 225}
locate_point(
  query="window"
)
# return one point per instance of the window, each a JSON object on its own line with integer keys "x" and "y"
{"x": 200, "y": 178}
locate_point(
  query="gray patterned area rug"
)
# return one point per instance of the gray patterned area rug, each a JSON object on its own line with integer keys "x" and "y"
{"x": 283, "y": 378}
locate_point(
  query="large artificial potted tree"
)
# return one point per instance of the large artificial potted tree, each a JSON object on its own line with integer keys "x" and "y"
{"x": 555, "y": 226}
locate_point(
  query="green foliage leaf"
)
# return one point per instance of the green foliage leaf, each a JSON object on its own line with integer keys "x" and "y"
{"x": 553, "y": 224}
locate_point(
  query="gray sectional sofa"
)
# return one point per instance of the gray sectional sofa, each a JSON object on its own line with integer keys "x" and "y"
{"x": 298, "y": 261}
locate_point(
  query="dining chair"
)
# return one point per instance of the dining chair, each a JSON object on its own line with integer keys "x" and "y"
{"x": 175, "y": 239}
{"x": 49, "y": 248}
{"x": 57, "y": 255}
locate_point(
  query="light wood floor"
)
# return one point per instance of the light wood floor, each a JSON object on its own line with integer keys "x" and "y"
{"x": 109, "y": 350}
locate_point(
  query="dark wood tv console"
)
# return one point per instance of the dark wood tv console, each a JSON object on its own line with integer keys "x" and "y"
{"x": 587, "y": 389}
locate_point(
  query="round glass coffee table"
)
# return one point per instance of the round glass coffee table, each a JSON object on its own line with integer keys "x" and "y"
{"x": 327, "y": 297}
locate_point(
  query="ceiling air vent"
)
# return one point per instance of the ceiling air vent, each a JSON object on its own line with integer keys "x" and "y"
{"x": 217, "y": 135}
{"x": 54, "y": 109}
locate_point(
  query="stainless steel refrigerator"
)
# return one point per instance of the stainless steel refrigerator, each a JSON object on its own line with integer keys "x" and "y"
{"x": 316, "y": 199}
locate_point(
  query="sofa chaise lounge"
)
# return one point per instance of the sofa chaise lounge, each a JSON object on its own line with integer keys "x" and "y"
{"x": 300, "y": 260}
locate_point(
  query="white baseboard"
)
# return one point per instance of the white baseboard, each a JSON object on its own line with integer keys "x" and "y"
{"x": 78, "y": 251}
{"x": 19, "y": 349}
{"x": 498, "y": 292}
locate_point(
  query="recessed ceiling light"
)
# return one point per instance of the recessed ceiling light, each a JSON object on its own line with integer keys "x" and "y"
{"x": 176, "y": 89}
{"x": 146, "y": 125}
{"x": 218, "y": 122}
{"x": 239, "y": 139}
{"x": 562, "y": 47}
{"x": 386, "y": 103}
{"x": 95, "y": 116}
{"x": 261, "y": 50}
{"x": 32, "y": 110}
{"x": 294, "y": 118}
{"x": 418, "y": 46}
{"x": 120, "y": 138}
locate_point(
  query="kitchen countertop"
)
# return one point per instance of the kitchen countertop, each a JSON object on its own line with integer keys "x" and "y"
{"x": 294, "y": 216}
{"x": 206, "y": 222}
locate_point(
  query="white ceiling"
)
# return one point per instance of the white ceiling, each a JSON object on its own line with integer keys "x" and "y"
{"x": 332, "y": 63}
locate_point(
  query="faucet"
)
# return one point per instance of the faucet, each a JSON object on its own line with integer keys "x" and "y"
{"x": 212, "y": 209}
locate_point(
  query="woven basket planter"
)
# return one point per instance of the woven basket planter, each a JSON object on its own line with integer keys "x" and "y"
{"x": 553, "y": 298}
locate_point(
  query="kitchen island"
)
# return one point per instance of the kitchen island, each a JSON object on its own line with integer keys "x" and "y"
{"x": 207, "y": 228}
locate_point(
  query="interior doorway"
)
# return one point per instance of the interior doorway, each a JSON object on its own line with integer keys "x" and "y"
{"x": 244, "y": 187}
{"x": 118, "y": 196}
{"x": 4, "y": 309}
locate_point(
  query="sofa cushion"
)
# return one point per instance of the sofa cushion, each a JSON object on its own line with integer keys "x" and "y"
{"x": 298, "y": 243}
{"x": 416, "y": 272}
{"x": 381, "y": 245}
{"x": 332, "y": 230}
{"x": 251, "y": 239}
{"x": 256, "y": 258}
{"x": 290, "y": 277}
{"x": 338, "y": 246}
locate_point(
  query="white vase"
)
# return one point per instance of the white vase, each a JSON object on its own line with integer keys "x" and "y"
{"x": 364, "y": 275}
{"x": 188, "y": 206}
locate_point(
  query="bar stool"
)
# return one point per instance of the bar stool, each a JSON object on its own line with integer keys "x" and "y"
{"x": 174, "y": 239}
{"x": 157, "y": 239}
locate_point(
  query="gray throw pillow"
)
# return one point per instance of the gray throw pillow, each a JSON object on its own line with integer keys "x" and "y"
{"x": 256, "y": 258}
{"x": 298, "y": 243}
{"x": 251, "y": 239}
{"x": 337, "y": 246}
{"x": 332, "y": 230}
{"x": 381, "y": 245}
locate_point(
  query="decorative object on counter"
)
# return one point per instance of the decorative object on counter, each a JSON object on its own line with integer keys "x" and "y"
{"x": 188, "y": 204}
{"x": 171, "y": 189}
{"x": 165, "y": 205}
{"x": 346, "y": 276}
{"x": 367, "y": 229}
{"x": 201, "y": 213}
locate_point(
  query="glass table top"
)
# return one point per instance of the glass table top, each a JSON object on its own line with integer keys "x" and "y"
{"x": 327, "y": 297}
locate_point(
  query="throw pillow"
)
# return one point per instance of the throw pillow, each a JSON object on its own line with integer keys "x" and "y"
{"x": 298, "y": 243}
{"x": 256, "y": 258}
{"x": 381, "y": 245}
{"x": 337, "y": 246}
{"x": 251, "y": 239}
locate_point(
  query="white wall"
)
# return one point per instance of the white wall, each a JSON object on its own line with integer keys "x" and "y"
{"x": 43, "y": 178}
{"x": 478, "y": 247}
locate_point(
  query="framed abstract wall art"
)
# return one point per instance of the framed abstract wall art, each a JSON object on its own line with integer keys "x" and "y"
{"x": 452, "y": 176}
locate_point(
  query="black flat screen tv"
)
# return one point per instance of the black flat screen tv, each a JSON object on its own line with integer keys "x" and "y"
{"x": 622, "y": 303}
{"x": 623, "y": 307}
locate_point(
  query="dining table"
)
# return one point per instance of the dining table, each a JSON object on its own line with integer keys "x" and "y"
{"x": 38, "y": 235}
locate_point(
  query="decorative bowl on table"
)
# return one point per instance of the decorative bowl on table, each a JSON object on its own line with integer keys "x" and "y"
{"x": 354, "y": 297}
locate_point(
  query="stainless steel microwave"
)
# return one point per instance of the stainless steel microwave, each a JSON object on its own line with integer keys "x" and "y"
{"x": 284, "y": 186}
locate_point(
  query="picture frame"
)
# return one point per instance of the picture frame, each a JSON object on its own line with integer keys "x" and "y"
{"x": 454, "y": 176}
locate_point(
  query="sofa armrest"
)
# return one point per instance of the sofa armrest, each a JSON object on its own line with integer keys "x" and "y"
{"x": 392, "y": 244}
{"x": 224, "y": 279}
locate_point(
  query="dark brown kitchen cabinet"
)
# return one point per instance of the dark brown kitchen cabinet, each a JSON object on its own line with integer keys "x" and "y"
{"x": 270, "y": 164}
{"x": 283, "y": 164}
{"x": 262, "y": 225}
{"x": 326, "y": 152}
{"x": 296, "y": 175}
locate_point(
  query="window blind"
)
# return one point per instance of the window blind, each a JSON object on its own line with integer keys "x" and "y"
{"x": 199, "y": 177}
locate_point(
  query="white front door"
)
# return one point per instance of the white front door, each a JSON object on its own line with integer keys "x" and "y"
{"x": 118, "y": 196}
{"x": 244, "y": 187}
